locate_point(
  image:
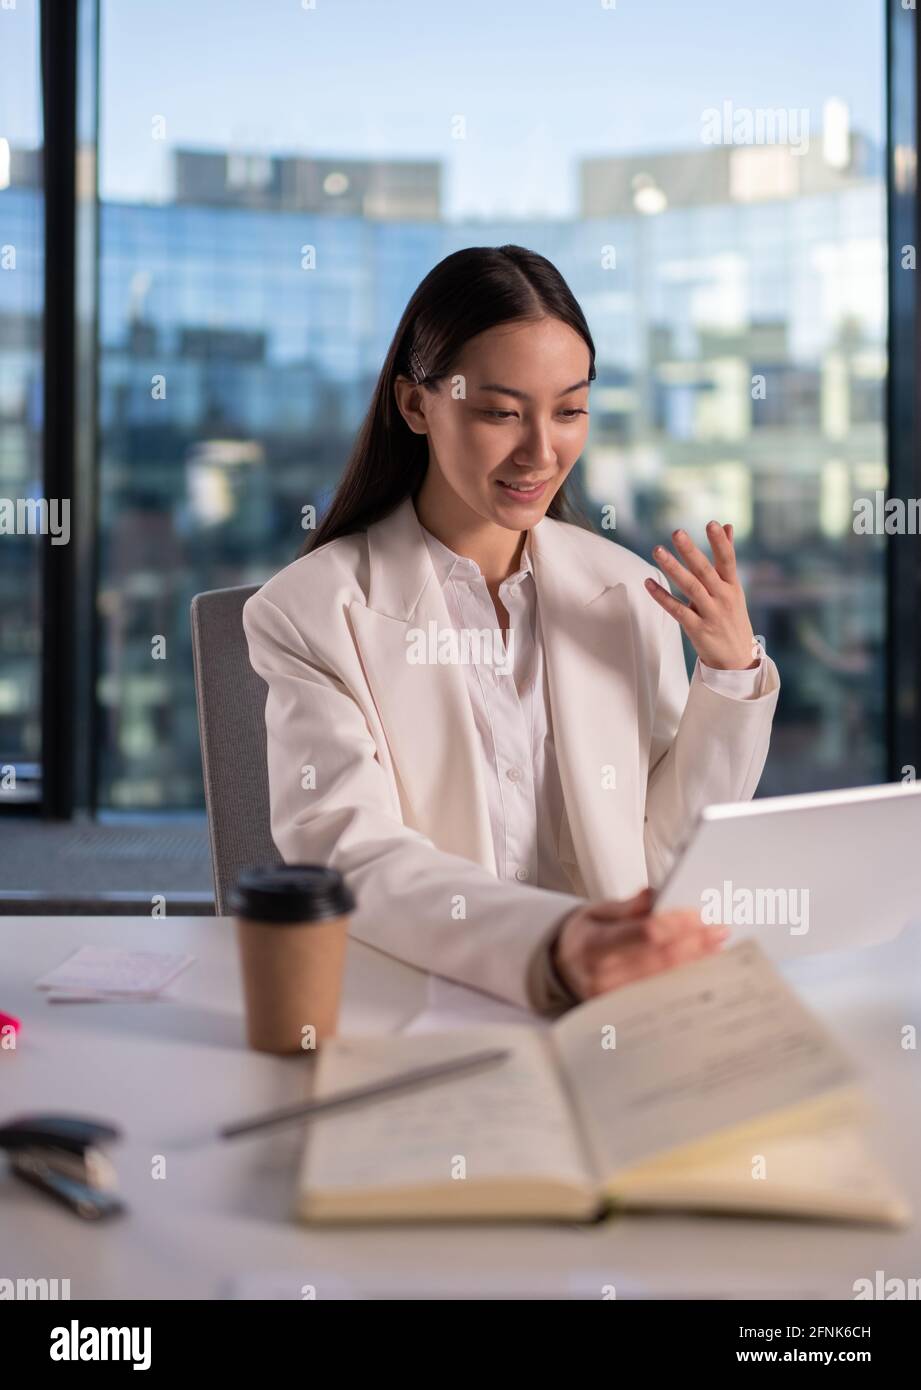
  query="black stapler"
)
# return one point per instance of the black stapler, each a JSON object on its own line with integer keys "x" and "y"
{"x": 62, "y": 1155}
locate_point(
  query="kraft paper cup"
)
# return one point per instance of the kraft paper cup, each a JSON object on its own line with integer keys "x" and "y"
{"x": 292, "y": 925}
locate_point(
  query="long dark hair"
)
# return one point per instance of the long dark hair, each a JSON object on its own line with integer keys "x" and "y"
{"x": 463, "y": 295}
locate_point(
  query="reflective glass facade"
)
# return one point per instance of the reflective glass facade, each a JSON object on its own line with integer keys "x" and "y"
{"x": 740, "y": 373}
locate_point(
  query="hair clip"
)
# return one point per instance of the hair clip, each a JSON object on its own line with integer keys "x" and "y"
{"x": 418, "y": 370}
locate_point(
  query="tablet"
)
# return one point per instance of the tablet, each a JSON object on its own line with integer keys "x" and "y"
{"x": 816, "y": 872}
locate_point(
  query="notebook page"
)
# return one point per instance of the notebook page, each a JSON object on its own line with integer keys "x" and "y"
{"x": 827, "y": 1169}
{"x": 508, "y": 1119}
{"x": 697, "y": 1049}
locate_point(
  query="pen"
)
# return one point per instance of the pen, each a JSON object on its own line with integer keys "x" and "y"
{"x": 418, "y": 1076}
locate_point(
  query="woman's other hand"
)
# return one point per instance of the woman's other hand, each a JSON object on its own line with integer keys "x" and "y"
{"x": 607, "y": 944}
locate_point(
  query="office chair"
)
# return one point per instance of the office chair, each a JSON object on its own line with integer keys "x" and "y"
{"x": 230, "y": 698}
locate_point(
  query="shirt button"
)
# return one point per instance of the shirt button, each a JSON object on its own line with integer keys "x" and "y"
{"x": 514, "y": 774}
{"x": 521, "y": 875}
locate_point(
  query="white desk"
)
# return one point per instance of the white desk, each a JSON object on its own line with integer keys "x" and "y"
{"x": 167, "y": 1072}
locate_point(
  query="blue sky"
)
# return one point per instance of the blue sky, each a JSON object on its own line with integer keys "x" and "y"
{"x": 540, "y": 83}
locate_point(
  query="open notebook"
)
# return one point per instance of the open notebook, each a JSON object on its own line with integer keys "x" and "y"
{"x": 710, "y": 1086}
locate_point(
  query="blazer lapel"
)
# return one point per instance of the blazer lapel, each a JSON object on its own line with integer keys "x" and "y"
{"x": 425, "y": 709}
{"x": 592, "y": 679}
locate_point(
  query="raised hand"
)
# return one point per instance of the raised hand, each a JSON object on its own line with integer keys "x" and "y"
{"x": 715, "y": 616}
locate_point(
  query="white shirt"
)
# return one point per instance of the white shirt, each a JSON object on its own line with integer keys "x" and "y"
{"x": 513, "y": 717}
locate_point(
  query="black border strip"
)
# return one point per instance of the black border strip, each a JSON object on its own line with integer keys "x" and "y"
{"x": 59, "y": 90}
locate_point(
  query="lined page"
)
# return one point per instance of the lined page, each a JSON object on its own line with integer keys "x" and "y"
{"x": 509, "y": 1119}
{"x": 697, "y": 1049}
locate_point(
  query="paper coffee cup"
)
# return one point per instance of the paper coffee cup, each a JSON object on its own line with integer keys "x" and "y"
{"x": 292, "y": 924}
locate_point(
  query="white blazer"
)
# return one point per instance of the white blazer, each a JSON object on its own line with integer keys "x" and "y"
{"x": 374, "y": 766}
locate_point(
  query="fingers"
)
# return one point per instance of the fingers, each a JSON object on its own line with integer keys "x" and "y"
{"x": 684, "y": 947}
{"x": 636, "y": 962}
{"x": 701, "y": 581}
{"x": 698, "y": 595}
{"x": 670, "y": 926}
{"x": 697, "y": 569}
{"x": 724, "y": 554}
{"x": 696, "y": 561}
{"x": 634, "y": 950}
{"x": 682, "y": 614}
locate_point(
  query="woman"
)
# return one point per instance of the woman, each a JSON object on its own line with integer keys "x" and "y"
{"x": 478, "y": 708}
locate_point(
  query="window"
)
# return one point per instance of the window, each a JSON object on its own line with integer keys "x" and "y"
{"x": 722, "y": 222}
{"x": 21, "y": 381}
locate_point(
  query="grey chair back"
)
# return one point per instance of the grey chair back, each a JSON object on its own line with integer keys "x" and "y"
{"x": 230, "y": 697}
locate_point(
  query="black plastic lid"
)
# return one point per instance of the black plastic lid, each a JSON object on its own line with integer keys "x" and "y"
{"x": 291, "y": 893}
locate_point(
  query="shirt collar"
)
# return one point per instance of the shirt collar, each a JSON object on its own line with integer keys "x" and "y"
{"x": 448, "y": 564}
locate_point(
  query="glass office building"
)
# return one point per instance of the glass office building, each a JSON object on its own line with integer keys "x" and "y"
{"x": 737, "y": 301}
{"x": 21, "y": 381}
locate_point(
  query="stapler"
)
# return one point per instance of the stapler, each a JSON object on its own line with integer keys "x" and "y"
{"x": 61, "y": 1155}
